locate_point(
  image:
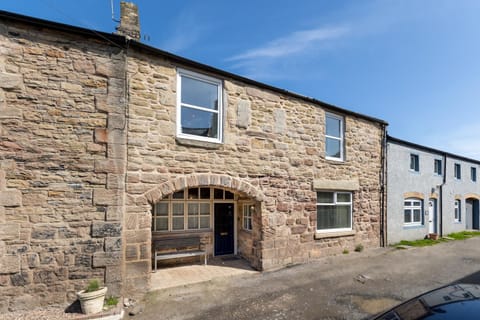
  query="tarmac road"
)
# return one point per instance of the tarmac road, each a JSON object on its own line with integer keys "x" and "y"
{"x": 351, "y": 286}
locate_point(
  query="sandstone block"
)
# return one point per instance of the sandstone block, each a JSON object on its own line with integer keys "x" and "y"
{"x": 106, "y": 229}
{"x": 103, "y": 259}
{"x": 9, "y": 231}
{"x": 43, "y": 233}
{"x": 107, "y": 197}
{"x": 71, "y": 87}
{"x": 110, "y": 166}
{"x": 10, "y": 198}
{"x": 101, "y": 135}
{"x": 11, "y": 81}
{"x": 116, "y": 121}
{"x": 243, "y": 114}
{"x": 9, "y": 264}
{"x": 113, "y": 244}
{"x": 20, "y": 279}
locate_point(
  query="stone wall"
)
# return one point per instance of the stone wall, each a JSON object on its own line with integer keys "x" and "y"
{"x": 62, "y": 160}
{"x": 273, "y": 142}
{"x": 74, "y": 207}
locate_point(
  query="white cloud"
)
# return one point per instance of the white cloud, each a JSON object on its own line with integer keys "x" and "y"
{"x": 293, "y": 43}
{"x": 187, "y": 30}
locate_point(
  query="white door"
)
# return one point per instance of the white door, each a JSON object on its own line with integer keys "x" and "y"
{"x": 431, "y": 216}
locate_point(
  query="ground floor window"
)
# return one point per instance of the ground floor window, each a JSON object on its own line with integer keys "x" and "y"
{"x": 334, "y": 211}
{"x": 189, "y": 209}
{"x": 458, "y": 211}
{"x": 248, "y": 210}
{"x": 412, "y": 211}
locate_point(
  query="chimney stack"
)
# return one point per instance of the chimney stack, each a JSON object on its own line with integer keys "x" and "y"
{"x": 129, "y": 23}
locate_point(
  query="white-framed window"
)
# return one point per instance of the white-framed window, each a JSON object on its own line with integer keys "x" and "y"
{"x": 457, "y": 171}
{"x": 334, "y": 211}
{"x": 458, "y": 211}
{"x": 248, "y": 211}
{"x": 414, "y": 162}
{"x": 437, "y": 166}
{"x": 334, "y": 137}
{"x": 473, "y": 174}
{"x": 189, "y": 209}
{"x": 412, "y": 211}
{"x": 199, "y": 107}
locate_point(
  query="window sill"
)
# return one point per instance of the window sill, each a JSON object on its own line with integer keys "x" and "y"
{"x": 199, "y": 143}
{"x": 324, "y": 235}
{"x": 335, "y": 160}
{"x": 414, "y": 226}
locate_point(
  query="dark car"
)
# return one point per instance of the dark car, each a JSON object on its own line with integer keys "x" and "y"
{"x": 457, "y": 301}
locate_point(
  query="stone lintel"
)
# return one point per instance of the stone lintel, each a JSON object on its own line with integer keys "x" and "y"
{"x": 342, "y": 185}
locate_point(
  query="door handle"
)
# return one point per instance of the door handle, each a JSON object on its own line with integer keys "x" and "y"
{"x": 224, "y": 233}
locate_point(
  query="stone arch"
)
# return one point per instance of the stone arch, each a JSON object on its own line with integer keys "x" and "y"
{"x": 200, "y": 180}
{"x": 472, "y": 196}
{"x": 417, "y": 195}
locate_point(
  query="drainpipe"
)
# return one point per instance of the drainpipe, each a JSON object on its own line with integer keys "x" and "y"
{"x": 440, "y": 206}
{"x": 383, "y": 177}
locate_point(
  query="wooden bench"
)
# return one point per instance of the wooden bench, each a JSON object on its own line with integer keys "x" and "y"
{"x": 179, "y": 247}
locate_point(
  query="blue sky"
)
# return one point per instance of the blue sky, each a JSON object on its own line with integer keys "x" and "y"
{"x": 413, "y": 63}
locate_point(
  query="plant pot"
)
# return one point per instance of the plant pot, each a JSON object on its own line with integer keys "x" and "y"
{"x": 433, "y": 236}
{"x": 92, "y": 302}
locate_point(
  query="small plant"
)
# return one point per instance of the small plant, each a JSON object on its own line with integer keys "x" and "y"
{"x": 93, "y": 285}
{"x": 111, "y": 301}
{"x": 345, "y": 251}
{"x": 359, "y": 247}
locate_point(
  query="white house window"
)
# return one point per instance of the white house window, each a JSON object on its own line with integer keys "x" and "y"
{"x": 333, "y": 137}
{"x": 199, "y": 107}
{"x": 414, "y": 162}
{"x": 248, "y": 210}
{"x": 458, "y": 171}
{"x": 189, "y": 209}
{"x": 412, "y": 211}
{"x": 473, "y": 174}
{"x": 334, "y": 211}
{"x": 458, "y": 211}
{"x": 437, "y": 167}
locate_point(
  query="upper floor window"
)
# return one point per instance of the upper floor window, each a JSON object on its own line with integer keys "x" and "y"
{"x": 437, "y": 167}
{"x": 458, "y": 171}
{"x": 412, "y": 211}
{"x": 199, "y": 107}
{"x": 333, "y": 137}
{"x": 473, "y": 174}
{"x": 334, "y": 211}
{"x": 414, "y": 162}
{"x": 458, "y": 211}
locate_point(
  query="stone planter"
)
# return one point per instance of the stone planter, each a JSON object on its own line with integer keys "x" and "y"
{"x": 92, "y": 302}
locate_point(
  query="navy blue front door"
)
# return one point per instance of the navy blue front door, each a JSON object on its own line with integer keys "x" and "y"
{"x": 475, "y": 216}
{"x": 224, "y": 236}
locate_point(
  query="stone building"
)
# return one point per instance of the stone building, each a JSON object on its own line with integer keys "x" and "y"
{"x": 107, "y": 145}
{"x": 429, "y": 192}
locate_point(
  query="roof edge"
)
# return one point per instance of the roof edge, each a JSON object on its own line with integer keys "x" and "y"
{"x": 130, "y": 43}
{"x": 430, "y": 149}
